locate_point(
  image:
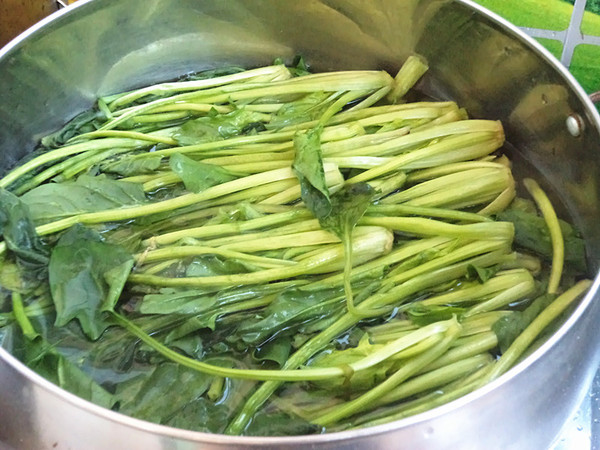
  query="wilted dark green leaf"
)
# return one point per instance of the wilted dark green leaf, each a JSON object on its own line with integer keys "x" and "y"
{"x": 18, "y": 232}
{"x": 217, "y": 126}
{"x": 53, "y": 201}
{"x": 276, "y": 351}
{"x": 151, "y": 401}
{"x": 308, "y": 165}
{"x": 424, "y": 315}
{"x": 531, "y": 233}
{"x": 128, "y": 166}
{"x": 508, "y": 328}
{"x": 198, "y": 176}
{"x": 86, "y": 278}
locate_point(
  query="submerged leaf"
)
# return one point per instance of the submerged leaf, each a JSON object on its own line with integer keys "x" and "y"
{"x": 198, "y": 176}
{"x": 18, "y": 231}
{"x": 85, "y": 122}
{"x": 276, "y": 351}
{"x": 54, "y": 201}
{"x": 216, "y": 126}
{"x": 279, "y": 424}
{"x": 87, "y": 276}
{"x": 481, "y": 274}
{"x": 531, "y": 233}
{"x": 348, "y": 205}
{"x": 42, "y": 357}
{"x": 208, "y": 266}
{"x": 202, "y": 415}
{"x": 362, "y": 380}
{"x": 310, "y": 107}
{"x": 508, "y": 328}
{"x": 422, "y": 315}
{"x": 292, "y": 308}
{"x": 128, "y": 166}
{"x": 150, "y": 402}
{"x": 308, "y": 165}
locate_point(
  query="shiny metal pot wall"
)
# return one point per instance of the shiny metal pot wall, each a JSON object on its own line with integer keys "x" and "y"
{"x": 102, "y": 46}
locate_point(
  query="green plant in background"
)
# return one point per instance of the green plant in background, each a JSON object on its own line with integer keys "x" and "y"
{"x": 555, "y": 15}
{"x": 592, "y": 5}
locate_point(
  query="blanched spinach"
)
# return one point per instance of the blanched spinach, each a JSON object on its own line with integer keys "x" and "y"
{"x": 218, "y": 126}
{"x": 18, "y": 232}
{"x": 308, "y": 165}
{"x": 87, "y": 194}
{"x": 532, "y": 234}
{"x": 86, "y": 278}
{"x": 198, "y": 176}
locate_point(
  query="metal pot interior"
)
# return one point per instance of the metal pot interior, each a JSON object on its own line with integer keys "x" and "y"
{"x": 57, "y": 69}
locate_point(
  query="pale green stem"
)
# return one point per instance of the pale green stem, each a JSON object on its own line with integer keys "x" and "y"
{"x": 526, "y": 338}
{"x": 556, "y": 237}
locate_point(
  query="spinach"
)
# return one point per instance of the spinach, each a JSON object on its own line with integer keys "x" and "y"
{"x": 202, "y": 415}
{"x": 85, "y": 122}
{"x": 308, "y": 165}
{"x": 20, "y": 237}
{"x": 88, "y": 194}
{"x": 130, "y": 165}
{"x": 185, "y": 337}
{"x": 291, "y": 308}
{"x": 198, "y": 301}
{"x": 86, "y": 278}
{"x": 276, "y": 351}
{"x": 481, "y": 274}
{"x": 145, "y": 398}
{"x": 348, "y": 205}
{"x": 508, "y": 328}
{"x": 310, "y": 106}
{"x": 207, "y": 266}
{"x": 532, "y": 234}
{"x": 172, "y": 301}
{"x": 422, "y": 315}
{"x": 279, "y": 423}
{"x": 198, "y": 176}
{"x": 41, "y": 356}
{"x": 217, "y": 126}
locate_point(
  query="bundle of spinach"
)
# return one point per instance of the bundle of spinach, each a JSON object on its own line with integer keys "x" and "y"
{"x": 271, "y": 251}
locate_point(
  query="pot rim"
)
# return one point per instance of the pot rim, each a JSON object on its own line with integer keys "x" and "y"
{"x": 333, "y": 437}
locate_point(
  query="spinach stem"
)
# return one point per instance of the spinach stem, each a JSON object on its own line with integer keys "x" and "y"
{"x": 556, "y": 237}
{"x": 526, "y": 338}
{"x": 21, "y": 317}
{"x": 407, "y": 369}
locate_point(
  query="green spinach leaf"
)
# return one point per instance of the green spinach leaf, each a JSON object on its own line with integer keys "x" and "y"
{"x": 276, "y": 351}
{"x": 308, "y": 165}
{"x": 147, "y": 400}
{"x": 532, "y": 234}
{"x": 202, "y": 415}
{"x": 279, "y": 424}
{"x": 215, "y": 126}
{"x": 208, "y": 266}
{"x": 85, "y": 122}
{"x": 424, "y": 315}
{"x": 198, "y": 176}
{"x": 508, "y": 328}
{"x": 42, "y": 357}
{"x": 53, "y": 201}
{"x": 292, "y": 308}
{"x": 18, "y": 232}
{"x": 348, "y": 205}
{"x": 87, "y": 276}
{"x": 130, "y": 165}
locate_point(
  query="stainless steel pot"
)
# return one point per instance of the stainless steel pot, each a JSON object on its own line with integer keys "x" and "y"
{"x": 57, "y": 69}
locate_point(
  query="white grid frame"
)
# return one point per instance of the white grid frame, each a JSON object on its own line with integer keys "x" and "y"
{"x": 571, "y": 37}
